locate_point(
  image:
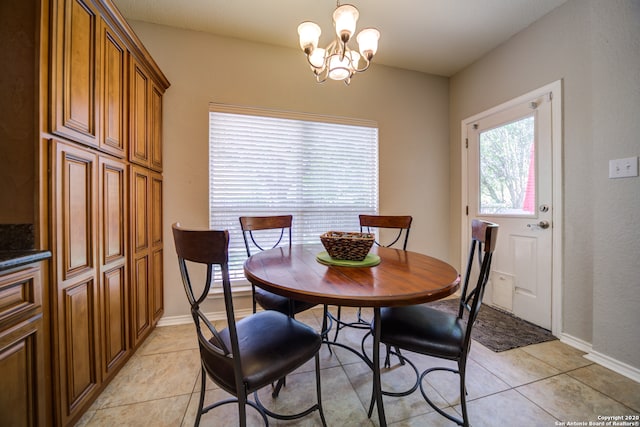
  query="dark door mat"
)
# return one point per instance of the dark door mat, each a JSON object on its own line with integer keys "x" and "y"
{"x": 498, "y": 330}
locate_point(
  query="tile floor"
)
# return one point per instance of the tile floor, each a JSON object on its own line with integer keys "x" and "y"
{"x": 548, "y": 384}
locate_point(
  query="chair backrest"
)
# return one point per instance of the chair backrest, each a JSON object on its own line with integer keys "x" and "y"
{"x": 281, "y": 224}
{"x": 210, "y": 248}
{"x": 401, "y": 223}
{"x": 483, "y": 242}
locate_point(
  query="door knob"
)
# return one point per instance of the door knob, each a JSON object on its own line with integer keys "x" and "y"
{"x": 542, "y": 224}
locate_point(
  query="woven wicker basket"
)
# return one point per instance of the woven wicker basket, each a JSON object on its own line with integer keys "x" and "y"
{"x": 347, "y": 245}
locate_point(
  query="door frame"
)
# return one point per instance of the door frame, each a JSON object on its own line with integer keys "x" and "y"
{"x": 555, "y": 89}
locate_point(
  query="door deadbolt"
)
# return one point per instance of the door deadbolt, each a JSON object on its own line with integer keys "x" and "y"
{"x": 544, "y": 208}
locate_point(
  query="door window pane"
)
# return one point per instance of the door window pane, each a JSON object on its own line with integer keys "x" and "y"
{"x": 507, "y": 169}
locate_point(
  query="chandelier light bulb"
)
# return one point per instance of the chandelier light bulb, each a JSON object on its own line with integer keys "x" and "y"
{"x": 368, "y": 42}
{"x": 309, "y": 33}
{"x": 355, "y": 58}
{"x": 338, "y": 68}
{"x": 345, "y": 18}
{"x": 316, "y": 59}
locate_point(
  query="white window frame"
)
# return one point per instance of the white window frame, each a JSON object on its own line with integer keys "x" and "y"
{"x": 328, "y": 144}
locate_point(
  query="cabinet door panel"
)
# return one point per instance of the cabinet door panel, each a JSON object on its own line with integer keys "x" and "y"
{"x": 21, "y": 364}
{"x": 140, "y": 209}
{"x": 76, "y": 199}
{"x": 114, "y": 282}
{"x": 156, "y": 210}
{"x": 20, "y": 293}
{"x": 140, "y": 291}
{"x": 115, "y": 331}
{"x": 79, "y": 332}
{"x": 76, "y": 83}
{"x": 113, "y": 223}
{"x": 139, "y": 122}
{"x": 158, "y": 286}
{"x": 155, "y": 128}
{"x": 155, "y": 225}
{"x": 113, "y": 95}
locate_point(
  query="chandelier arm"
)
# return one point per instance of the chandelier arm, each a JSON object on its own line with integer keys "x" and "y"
{"x": 313, "y": 67}
{"x": 332, "y": 48}
{"x": 365, "y": 68}
{"x": 322, "y": 76}
{"x": 343, "y": 50}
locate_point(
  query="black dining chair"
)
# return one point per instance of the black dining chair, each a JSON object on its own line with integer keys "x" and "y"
{"x": 267, "y": 232}
{"x": 250, "y": 353}
{"x": 398, "y": 226}
{"x": 426, "y": 330}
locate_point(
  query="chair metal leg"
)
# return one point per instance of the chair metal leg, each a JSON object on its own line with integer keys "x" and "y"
{"x": 276, "y": 391}
{"x": 463, "y": 422}
{"x": 242, "y": 409}
{"x": 377, "y": 384}
{"x": 463, "y": 392}
{"x": 338, "y": 323}
{"x": 203, "y": 382}
{"x": 253, "y": 297}
{"x": 316, "y": 407}
{"x": 387, "y": 359}
{"x": 319, "y": 391}
{"x": 327, "y": 324}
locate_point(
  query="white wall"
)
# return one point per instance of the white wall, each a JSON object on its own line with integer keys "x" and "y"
{"x": 594, "y": 47}
{"x": 411, "y": 110}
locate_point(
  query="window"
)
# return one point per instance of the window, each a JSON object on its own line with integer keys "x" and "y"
{"x": 322, "y": 170}
{"x": 507, "y": 168}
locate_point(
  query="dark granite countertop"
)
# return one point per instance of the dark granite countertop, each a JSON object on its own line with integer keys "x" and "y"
{"x": 11, "y": 259}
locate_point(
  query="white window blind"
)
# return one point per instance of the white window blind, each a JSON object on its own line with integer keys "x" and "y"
{"x": 321, "y": 170}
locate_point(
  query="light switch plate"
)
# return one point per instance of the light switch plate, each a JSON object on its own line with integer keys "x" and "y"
{"x": 623, "y": 168}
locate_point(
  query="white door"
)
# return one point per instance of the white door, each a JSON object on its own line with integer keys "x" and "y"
{"x": 509, "y": 158}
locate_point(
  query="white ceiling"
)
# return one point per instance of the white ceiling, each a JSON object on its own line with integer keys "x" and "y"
{"x": 433, "y": 36}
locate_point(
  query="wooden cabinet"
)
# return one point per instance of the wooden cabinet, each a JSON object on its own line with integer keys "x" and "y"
{"x": 22, "y": 348}
{"x": 75, "y": 309}
{"x": 89, "y": 78}
{"x": 114, "y": 281}
{"x": 75, "y": 86}
{"x": 146, "y": 119}
{"x": 90, "y": 302}
{"x": 157, "y": 246}
{"x": 104, "y": 156}
{"x": 113, "y": 132}
{"x": 146, "y": 249}
{"x": 155, "y": 127}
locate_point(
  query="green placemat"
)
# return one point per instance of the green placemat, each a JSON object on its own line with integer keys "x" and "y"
{"x": 369, "y": 261}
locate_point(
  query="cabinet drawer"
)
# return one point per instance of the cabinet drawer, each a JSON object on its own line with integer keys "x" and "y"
{"x": 20, "y": 292}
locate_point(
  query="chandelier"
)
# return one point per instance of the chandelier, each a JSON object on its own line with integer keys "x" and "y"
{"x": 338, "y": 61}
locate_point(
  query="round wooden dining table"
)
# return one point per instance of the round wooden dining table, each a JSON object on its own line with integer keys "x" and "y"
{"x": 401, "y": 278}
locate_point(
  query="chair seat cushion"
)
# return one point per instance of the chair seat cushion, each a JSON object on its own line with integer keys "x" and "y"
{"x": 423, "y": 330}
{"x": 271, "y": 346}
{"x": 270, "y": 301}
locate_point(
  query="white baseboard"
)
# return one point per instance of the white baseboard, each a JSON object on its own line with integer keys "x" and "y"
{"x": 615, "y": 365}
{"x": 575, "y": 342}
{"x": 608, "y": 362}
{"x": 213, "y": 316}
{"x": 174, "y": 320}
